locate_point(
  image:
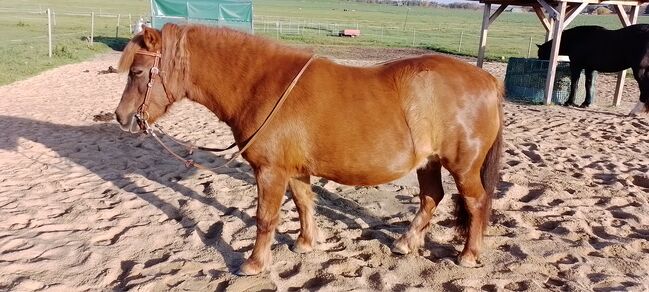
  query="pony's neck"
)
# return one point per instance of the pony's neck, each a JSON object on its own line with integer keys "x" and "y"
{"x": 237, "y": 76}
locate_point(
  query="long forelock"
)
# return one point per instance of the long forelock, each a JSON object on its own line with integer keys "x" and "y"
{"x": 128, "y": 55}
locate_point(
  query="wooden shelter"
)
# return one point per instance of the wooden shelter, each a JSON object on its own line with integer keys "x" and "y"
{"x": 555, "y": 16}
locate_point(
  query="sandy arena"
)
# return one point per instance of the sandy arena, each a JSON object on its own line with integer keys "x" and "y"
{"x": 86, "y": 206}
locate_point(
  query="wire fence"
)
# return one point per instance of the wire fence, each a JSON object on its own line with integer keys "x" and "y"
{"x": 450, "y": 38}
{"x": 30, "y": 27}
{"x": 33, "y": 29}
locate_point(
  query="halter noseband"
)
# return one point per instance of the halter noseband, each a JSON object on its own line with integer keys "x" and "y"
{"x": 142, "y": 115}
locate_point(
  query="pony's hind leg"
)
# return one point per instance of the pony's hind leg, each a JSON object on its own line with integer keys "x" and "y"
{"x": 431, "y": 193}
{"x": 473, "y": 209}
{"x": 590, "y": 88}
{"x": 574, "y": 84}
{"x": 271, "y": 186}
{"x": 303, "y": 198}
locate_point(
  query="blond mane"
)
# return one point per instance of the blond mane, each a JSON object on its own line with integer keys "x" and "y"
{"x": 126, "y": 60}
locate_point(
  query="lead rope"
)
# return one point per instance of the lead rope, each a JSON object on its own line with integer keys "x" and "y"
{"x": 248, "y": 142}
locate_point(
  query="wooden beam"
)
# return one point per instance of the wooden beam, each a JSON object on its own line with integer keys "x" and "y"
{"x": 541, "y": 15}
{"x": 621, "y": 76}
{"x": 554, "y": 2}
{"x": 497, "y": 13}
{"x": 483, "y": 34}
{"x": 624, "y": 18}
{"x": 552, "y": 13}
{"x": 572, "y": 13}
{"x": 549, "y": 34}
{"x": 554, "y": 53}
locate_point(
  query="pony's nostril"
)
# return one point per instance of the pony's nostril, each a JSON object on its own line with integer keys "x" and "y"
{"x": 117, "y": 117}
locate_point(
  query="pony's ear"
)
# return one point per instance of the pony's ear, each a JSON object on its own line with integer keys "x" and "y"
{"x": 538, "y": 46}
{"x": 152, "y": 39}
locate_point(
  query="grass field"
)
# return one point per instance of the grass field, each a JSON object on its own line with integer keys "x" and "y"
{"x": 24, "y": 53}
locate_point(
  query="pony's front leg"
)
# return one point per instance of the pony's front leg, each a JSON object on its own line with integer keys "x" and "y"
{"x": 590, "y": 88}
{"x": 271, "y": 186}
{"x": 303, "y": 198}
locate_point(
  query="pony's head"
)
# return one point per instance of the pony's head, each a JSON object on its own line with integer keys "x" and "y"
{"x": 146, "y": 96}
{"x": 544, "y": 50}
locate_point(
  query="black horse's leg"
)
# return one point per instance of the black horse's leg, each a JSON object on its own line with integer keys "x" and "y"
{"x": 574, "y": 83}
{"x": 590, "y": 88}
{"x": 641, "y": 75}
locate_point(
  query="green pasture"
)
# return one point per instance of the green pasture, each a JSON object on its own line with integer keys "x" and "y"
{"x": 24, "y": 46}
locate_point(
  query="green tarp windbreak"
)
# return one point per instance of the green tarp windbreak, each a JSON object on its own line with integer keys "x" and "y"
{"x": 236, "y": 14}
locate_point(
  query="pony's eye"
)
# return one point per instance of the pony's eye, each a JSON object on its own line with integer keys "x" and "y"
{"x": 136, "y": 72}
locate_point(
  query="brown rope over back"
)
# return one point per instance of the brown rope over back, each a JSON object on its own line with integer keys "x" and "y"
{"x": 247, "y": 143}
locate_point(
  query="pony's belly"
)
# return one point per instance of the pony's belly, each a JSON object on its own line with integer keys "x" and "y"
{"x": 366, "y": 179}
{"x": 376, "y": 170}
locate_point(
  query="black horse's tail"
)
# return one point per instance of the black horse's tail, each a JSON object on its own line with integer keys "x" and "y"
{"x": 490, "y": 176}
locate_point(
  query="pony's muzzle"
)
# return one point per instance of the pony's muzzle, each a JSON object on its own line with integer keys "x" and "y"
{"x": 128, "y": 123}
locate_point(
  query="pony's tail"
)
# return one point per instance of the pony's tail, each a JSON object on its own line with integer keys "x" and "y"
{"x": 490, "y": 176}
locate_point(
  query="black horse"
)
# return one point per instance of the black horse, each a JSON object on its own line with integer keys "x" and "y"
{"x": 594, "y": 48}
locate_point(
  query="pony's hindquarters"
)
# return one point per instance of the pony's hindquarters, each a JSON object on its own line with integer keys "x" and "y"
{"x": 454, "y": 111}
{"x": 476, "y": 187}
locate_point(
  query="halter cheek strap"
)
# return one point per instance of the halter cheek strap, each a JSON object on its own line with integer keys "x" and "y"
{"x": 142, "y": 115}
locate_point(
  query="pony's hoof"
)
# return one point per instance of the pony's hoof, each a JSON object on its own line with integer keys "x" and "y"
{"x": 584, "y": 105}
{"x": 468, "y": 262}
{"x": 569, "y": 103}
{"x": 401, "y": 247}
{"x": 302, "y": 247}
{"x": 249, "y": 268}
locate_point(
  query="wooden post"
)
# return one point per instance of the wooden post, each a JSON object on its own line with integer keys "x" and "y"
{"x": 554, "y": 53}
{"x": 529, "y": 48}
{"x": 413, "y": 37}
{"x": 130, "y": 24}
{"x": 49, "y": 32}
{"x": 92, "y": 27}
{"x": 117, "y": 26}
{"x": 459, "y": 47}
{"x": 483, "y": 34}
{"x": 548, "y": 34}
{"x": 621, "y": 76}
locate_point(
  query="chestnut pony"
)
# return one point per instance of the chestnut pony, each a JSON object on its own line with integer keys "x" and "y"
{"x": 352, "y": 125}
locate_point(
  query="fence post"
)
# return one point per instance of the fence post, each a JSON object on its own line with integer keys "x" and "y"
{"x": 92, "y": 27}
{"x": 49, "y": 32}
{"x": 117, "y": 26}
{"x": 413, "y": 37}
{"x": 529, "y": 48}
{"x": 130, "y": 24}
{"x": 459, "y": 48}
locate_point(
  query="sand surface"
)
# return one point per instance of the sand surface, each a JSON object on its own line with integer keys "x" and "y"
{"x": 85, "y": 206}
